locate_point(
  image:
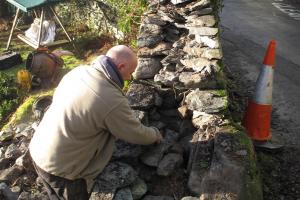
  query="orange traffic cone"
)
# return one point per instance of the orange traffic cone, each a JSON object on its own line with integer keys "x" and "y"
{"x": 257, "y": 120}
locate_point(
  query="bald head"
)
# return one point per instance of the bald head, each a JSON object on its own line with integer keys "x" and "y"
{"x": 124, "y": 58}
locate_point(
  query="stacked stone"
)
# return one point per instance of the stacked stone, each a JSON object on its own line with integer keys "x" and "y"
{"x": 17, "y": 175}
{"x": 178, "y": 55}
{"x": 178, "y": 86}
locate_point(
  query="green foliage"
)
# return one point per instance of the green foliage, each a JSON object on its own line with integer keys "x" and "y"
{"x": 129, "y": 16}
{"x": 9, "y": 96}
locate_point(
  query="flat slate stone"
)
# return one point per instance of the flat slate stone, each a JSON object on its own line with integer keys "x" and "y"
{"x": 206, "y": 101}
{"x": 159, "y": 50}
{"x": 141, "y": 97}
{"x": 123, "y": 194}
{"x": 206, "y": 20}
{"x": 138, "y": 188}
{"x": 169, "y": 163}
{"x": 149, "y": 41}
{"x": 116, "y": 175}
{"x": 126, "y": 150}
{"x": 199, "y": 5}
{"x": 154, "y": 19}
{"x": 147, "y": 68}
{"x": 206, "y": 41}
{"x": 165, "y": 77}
{"x": 197, "y": 64}
{"x": 155, "y": 153}
{"x": 203, "y": 31}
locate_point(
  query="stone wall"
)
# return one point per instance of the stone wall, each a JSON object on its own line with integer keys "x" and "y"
{"x": 180, "y": 88}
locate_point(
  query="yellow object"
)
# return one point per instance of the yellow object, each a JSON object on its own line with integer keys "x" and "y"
{"x": 24, "y": 79}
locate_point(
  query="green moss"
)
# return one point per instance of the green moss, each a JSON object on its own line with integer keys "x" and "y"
{"x": 253, "y": 187}
{"x": 221, "y": 93}
{"x": 24, "y": 111}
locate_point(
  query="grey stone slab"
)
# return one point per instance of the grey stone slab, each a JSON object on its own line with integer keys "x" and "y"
{"x": 169, "y": 163}
{"x": 141, "y": 96}
{"x": 123, "y": 194}
{"x": 203, "y": 31}
{"x": 159, "y": 50}
{"x": 147, "y": 68}
{"x": 206, "y": 101}
{"x": 138, "y": 189}
{"x": 198, "y": 21}
{"x": 116, "y": 175}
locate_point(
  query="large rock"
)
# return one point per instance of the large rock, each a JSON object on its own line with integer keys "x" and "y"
{"x": 150, "y": 35}
{"x": 199, "y": 159}
{"x": 212, "y": 54}
{"x": 147, "y": 68}
{"x": 138, "y": 188}
{"x": 199, "y": 5}
{"x": 169, "y": 163}
{"x": 155, "y": 153}
{"x": 154, "y": 19}
{"x": 199, "y": 64}
{"x": 12, "y": 151}
{"x": 203, "y": 80}
{"x": 33, "y": 196}
{"x": 116, "y": 175}
{"x": 194, "y": 51}
{"x": 126, "y": 150}
{"x": 149, "y": 41}
{"x": 206, "y": 101}
{"x": 142, "y": 97}
{"x": 206, "y": 20}
{"x": 6, "y": 135}
{"x": 231, "y": 175}
{"x": 205, "y": 11}
{"x": 204, "y": 52}
{"x": 203, "y": 31}
{"x": 166, "y": 77}
{"x": 123, "y": 194}
{"x": 7, "y": 193}
{"x": 11, "y": 174}
{"x": 202, "y": 120}
{"x": 159, "y": 50}
{"x": 207, "y": 41}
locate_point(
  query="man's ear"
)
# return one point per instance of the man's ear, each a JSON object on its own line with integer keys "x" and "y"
{"x": 121, "y": 66}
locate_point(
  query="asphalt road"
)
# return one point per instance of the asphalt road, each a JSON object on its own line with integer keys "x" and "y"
{"x": 247, "y": 27}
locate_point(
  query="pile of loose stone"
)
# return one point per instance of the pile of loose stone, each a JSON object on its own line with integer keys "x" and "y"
{"x": 178, "y": 89}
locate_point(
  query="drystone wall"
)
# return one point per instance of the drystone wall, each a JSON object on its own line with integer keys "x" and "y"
{"x": 179, "y": 88}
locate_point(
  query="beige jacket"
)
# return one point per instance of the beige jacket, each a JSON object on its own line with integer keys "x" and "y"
{"x": 76, "y": 136}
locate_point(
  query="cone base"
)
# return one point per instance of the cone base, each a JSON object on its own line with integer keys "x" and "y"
{"x": 267, "y": 146}
{"x": 257, "y": 121}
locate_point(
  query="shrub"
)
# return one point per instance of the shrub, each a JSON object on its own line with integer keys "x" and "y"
{"x": 9, "y": 96}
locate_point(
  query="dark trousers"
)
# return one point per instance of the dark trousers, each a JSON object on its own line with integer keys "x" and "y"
{"x": 59, "y": 188}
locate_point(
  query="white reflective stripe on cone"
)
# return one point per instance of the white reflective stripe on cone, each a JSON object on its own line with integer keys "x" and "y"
{"x": 264, "y": 86}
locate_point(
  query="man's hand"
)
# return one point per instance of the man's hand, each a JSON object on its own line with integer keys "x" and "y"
{"x": 159, "y": 137}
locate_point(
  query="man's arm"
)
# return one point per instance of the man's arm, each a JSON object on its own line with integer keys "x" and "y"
{"x": 122, "y": 123}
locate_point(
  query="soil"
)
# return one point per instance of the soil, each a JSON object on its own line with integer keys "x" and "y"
{"x": 280, "y": 171}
